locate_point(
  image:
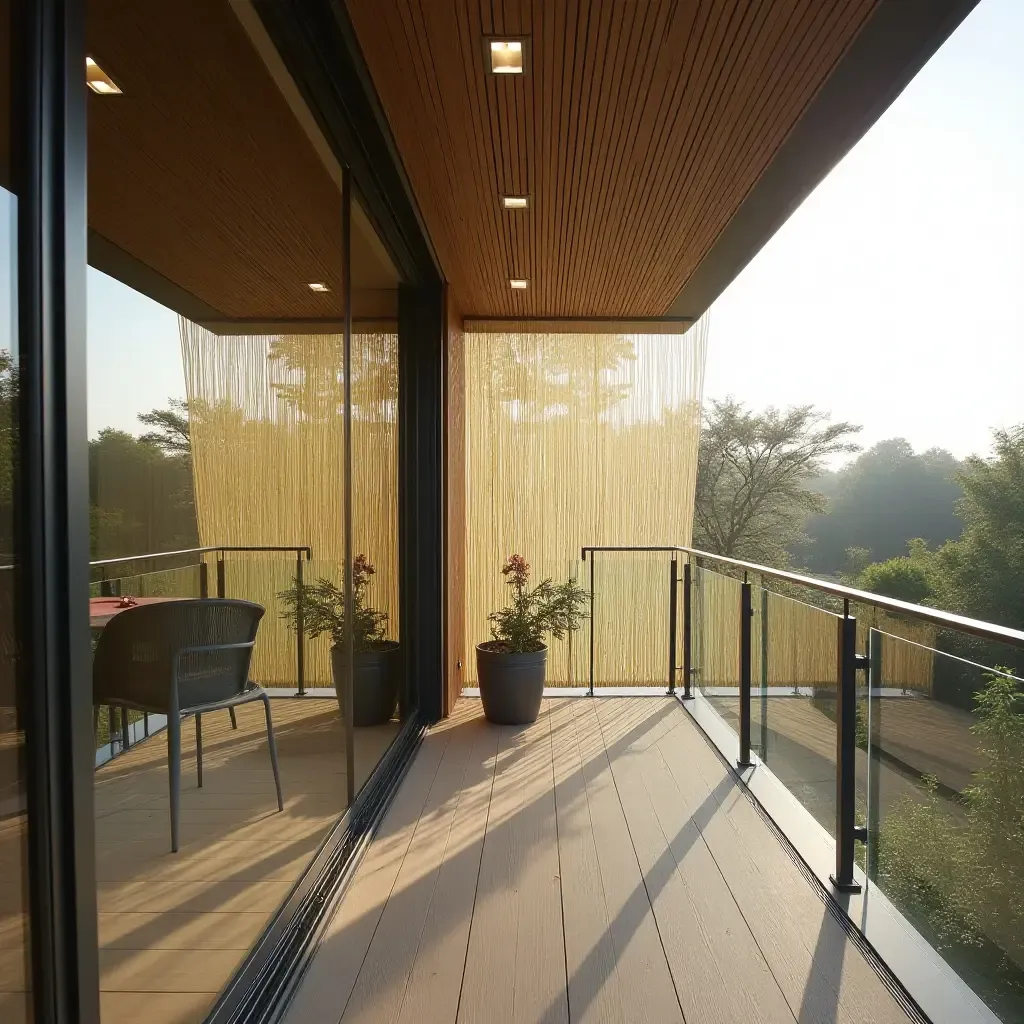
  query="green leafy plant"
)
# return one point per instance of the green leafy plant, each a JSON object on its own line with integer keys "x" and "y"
{"x": 323, "y": 609}
{"x": 548, "y": 609}
{"x": 957, "y": 868}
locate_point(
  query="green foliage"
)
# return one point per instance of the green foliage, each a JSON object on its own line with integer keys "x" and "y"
{"x": 547, "y": 609}
{"x": 962, "y": 874}
{"x": 885, "y": 496}
{"x": 323, "y": 609}
{"x": 980, "y": 574}
{"x": 141, "y": 498}
{"x": 908, "y": 578}
{"x": 752, "y": 499}
{"x": 171, "y": 433}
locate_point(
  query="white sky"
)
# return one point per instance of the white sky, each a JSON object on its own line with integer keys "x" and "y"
{"x": 894, "y": 296}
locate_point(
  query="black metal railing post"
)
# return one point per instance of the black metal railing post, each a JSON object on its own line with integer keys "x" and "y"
{"x": 221, "y": 590}
{"x": 746, "y": 616}
{"x": 591, "y": 623}
{"x": 875, "y": 747}
{"x": 687, "y": 631}
{"x": 300, "y": 628}
{"x": 763, "y": 749}
{"x": 673, "y": 615}
{"x": 204, "y": 579}
{"x": 846, "y": 754}
{"x": 105, "y": 588}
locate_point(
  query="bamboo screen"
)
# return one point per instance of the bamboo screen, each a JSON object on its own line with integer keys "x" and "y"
{"x": 265, "y": 414}
{"x": 579, "y": 439}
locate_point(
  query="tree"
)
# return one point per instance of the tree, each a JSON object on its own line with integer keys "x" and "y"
{"x": 907, "y": 578}
{"x": 980, "y": 574}
{"x": 752, "y": 499}
{"x": 881, "y": 500}
{"x": 141, "y": 498}
{"x": 171, "y": 435}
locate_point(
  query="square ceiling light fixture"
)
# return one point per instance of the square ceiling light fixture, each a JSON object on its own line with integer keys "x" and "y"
{"x": 318, "y": 286}
{"x": 515, "y": 202}
{"x": 518, "y": 283}
{"x": 506, "y": 56}
{"x": 98, "y": 80}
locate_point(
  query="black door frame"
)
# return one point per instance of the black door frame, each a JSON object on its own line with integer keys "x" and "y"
{"x": 53, "y": 513}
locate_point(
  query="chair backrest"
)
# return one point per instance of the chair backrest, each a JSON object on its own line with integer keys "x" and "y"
{"x": 136, "y": 652}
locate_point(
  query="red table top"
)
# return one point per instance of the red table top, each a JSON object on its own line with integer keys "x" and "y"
{"x": 103, "y": 609}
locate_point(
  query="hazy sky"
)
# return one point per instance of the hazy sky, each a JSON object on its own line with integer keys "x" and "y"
{"x": 894, "y": 296}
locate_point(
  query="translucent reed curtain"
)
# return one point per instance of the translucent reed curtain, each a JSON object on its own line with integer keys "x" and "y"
{"x": 265, "y": 415}
{"x": 576, "y": 439}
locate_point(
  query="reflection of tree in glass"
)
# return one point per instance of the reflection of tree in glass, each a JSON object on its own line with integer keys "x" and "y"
{"x": 547, "y": 375}
{"x": 315, "y": 383}
{"x": 170, "y": 433}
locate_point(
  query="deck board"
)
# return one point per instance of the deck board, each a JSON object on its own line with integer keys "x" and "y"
{"x": 600, "y": 865}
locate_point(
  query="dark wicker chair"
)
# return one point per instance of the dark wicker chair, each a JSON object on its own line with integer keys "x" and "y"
{"x": 181, "y": 658}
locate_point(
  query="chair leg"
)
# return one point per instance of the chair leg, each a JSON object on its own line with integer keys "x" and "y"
{"x": 199, "y": 749}
{"x": 273, "y": 751}
{"x": 234, "y": 721}
{"x": 174, "y": 771}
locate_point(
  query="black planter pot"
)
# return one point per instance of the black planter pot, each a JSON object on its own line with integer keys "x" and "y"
{"x": 511, "y": 685}
{"x": 374, "y": 684}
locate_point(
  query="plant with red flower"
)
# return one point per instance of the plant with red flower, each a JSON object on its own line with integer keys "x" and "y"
{"x": 323, "y": 609}
{"x": 546, "y": 610}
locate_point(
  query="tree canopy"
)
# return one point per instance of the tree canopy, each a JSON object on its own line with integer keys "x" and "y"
{"x": 752, "y": 498}
{"x": 171, "y": 433}
{"x": 980, "y": 573}
{"x": 880, "y": 501}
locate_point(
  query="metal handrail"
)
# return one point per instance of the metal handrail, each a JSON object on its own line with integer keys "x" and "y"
{"x": 298, "y": 549}
{"x": 946, "y": 620}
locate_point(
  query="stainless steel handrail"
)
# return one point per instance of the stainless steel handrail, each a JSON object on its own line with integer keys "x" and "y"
{"x": 298, "y": 549}
{"x": 947, "y": 620}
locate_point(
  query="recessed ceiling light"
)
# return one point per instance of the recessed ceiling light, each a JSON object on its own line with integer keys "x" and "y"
{"x": 318, "y": 286}
{"x": 515, "y": 202}
{"x": 98, "y": 80}
{"x": 519, "y": 283}
{"x": 506, "y": 57}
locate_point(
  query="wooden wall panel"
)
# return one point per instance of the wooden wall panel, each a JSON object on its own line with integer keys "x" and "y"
{"x": 637, "y": 132}
{"x": 455, "y": 501}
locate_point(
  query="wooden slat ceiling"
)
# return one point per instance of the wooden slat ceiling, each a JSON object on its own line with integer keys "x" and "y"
{"x": 637, "y": 131}
{"x": 201, "y": 172}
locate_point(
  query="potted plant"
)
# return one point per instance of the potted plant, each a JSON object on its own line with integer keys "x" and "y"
{"x": 374, "y": 657}
{"x": 511, "y": 666}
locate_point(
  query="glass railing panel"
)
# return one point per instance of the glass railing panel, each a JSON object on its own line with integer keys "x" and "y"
{"x": 181, "y": 581}
{"x": 631, "y": 620}
{"x": 794, "y": 698}
{"x": 716, "y": 639}
{"x": 943, "y": 798}
{"x": 264, "y": 578}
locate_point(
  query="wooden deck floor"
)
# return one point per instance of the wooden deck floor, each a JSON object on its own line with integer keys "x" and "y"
{"x": 173, "y": 928}
{"x": 600, "y": 865}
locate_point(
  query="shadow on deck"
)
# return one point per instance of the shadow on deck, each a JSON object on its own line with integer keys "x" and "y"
{"x": 601, "y": 864}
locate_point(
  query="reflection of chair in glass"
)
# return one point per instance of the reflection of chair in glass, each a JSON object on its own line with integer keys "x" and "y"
{"x": 177, "y": 658}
